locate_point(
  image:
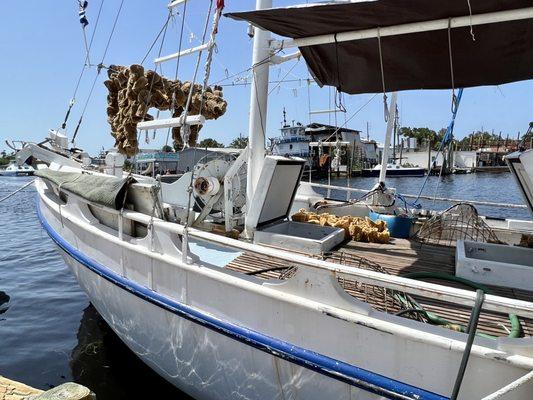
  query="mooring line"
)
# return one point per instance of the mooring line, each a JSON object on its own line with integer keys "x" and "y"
{"x": 16, "y": 191}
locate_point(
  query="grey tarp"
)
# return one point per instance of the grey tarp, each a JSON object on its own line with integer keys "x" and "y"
{"x": 502, "y": 52}
{"x": 108, "y": 191}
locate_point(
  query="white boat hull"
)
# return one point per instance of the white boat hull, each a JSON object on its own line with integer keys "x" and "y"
{"x": 215, "y": 336}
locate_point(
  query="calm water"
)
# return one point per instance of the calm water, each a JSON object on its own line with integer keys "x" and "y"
{"x": 50, "y": 334}
{"x": 497, "y": 188}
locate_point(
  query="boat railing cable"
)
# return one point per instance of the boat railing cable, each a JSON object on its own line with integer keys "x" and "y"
{"x": 412, "y": 196}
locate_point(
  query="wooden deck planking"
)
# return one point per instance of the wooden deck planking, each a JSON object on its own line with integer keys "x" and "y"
{"x": 398, "y": 258}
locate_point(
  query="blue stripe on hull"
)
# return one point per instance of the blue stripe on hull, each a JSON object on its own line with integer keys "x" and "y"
{"x": 366, "y": 380}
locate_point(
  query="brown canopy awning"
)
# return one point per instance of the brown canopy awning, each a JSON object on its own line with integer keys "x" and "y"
{"x": 501, "y": 52}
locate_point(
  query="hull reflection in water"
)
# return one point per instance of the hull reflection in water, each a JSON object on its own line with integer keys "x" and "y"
{"x": 4, "y": 302}
{"x": 103, "y": 363}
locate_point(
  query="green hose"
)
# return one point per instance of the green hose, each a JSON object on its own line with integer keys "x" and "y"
{"x": 436, "y": 320}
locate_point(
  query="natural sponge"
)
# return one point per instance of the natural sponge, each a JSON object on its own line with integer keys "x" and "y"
{"x": 134, "y": 90}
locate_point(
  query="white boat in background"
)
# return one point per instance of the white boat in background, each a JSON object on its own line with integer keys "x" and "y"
{"x": 13, "y": 169}
{"x": 213, "y": 286}
{"x": 395, "y": 170}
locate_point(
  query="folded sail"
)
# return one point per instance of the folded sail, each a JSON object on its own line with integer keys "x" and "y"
{"x": 108, "y": 191}
{"x": 502, "y": 52}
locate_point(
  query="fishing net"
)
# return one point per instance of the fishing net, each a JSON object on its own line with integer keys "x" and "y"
{"x": 133, "y": 91}
{"x": 387, "y": 300}
{"x": 460, "y": 221}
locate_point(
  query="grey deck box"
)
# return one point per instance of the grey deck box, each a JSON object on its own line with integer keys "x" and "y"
{"x": 495, "y": 264}
{"x": 271, "y": 205}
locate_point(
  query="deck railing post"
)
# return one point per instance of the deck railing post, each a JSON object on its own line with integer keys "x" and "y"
{"x": 185, "y": 246}
{"x": 120, "y": 226}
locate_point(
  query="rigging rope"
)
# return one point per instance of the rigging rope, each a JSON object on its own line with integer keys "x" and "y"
{"x": 279, "y": 82}
{"x": 163, "y": 29}
{"x": 447, "y": 137}
{"x": 185, "y": 132}
{"x": 385, "y": 107}
{"x": 209, "y": 58}
{"x": 98, "y": 70}
{"x": 84, "y": 22}
{"x": 16, "y": 191}
{"x": 338, "y": 93}
{"x": 86, "y": 63}
{"x": 173, "y": 105}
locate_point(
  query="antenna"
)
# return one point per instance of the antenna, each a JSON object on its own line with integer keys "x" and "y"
{"x": 284, "y": 117}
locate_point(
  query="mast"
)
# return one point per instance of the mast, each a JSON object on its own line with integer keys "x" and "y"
{"x": 390, "y": 123}
{"x": 258, "y": 105}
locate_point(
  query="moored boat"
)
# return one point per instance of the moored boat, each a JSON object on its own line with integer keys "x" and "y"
{"x": 13, "y": 169}
{"x": 213, "y": 284}
{"x": 394, "y": 170}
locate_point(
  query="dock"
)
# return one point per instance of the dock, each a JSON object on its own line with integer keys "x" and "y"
{"x": 13, "y": 390}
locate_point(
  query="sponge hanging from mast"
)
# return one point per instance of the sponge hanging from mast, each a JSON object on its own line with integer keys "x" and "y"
{"x": 133, "y": 91}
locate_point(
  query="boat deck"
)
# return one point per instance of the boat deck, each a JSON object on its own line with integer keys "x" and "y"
{"x": 399, "y": 257}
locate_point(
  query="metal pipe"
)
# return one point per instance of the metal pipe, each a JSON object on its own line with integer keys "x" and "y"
{"x": 510, "y": 387}
{"x": 415, "y": 27}
{"x": 182, "y": 53}
{"x": 335, "y": 110}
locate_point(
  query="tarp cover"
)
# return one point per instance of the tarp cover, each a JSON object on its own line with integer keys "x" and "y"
{"x": 108, "y": 191}
{"x": 501, "y": 52}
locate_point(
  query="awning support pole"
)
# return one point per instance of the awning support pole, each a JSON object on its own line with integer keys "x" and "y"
{"x": 415, "y": 27}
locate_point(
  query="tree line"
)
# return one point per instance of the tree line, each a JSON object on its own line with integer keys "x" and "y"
{"x": 475, "y": 140}
{"x": 237, "y": 143}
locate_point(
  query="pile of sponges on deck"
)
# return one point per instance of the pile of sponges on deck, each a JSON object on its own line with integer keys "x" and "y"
{"x": 358, "y": 228}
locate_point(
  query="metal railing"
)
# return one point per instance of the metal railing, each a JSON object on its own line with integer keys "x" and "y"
{"x": 392, "y": 282}
{"x": 411, "y": 196}
{"x": 444, "y": 293}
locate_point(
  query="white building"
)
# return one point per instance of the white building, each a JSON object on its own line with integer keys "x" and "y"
{"x": 295, "y": 139}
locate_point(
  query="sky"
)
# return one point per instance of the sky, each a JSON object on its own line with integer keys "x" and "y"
{"x": 42, "y": 53}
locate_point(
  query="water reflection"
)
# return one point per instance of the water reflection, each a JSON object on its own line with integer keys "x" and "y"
{"x": 4, "y": 303}
{"x": 103, "y": 363}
